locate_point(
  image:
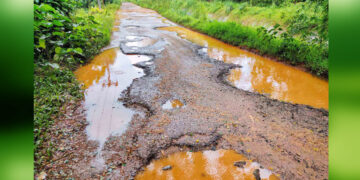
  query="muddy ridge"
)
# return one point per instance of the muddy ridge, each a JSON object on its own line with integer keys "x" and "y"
{"x": 288, "y": 139}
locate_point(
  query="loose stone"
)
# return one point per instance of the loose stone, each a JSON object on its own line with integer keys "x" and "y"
{"x": 165, "y": 168}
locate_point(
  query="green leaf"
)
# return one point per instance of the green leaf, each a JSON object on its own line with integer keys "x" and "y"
{"x": 56, "y": 57}
{"x": 69, "y": 50}
{"x": 61, "y": 34}
{"x": 36, "y": 7}
{"x": 78, "y": 51}
{"x": 46, "y": 8}
{"x": 66, "y": 19}
{"x": 57, "y": 23}
{"x": 57, "y": 50}
{"x": 43, "y": 36}
{"x": 276, "y": 26}
{"x": 92, "y": 18}
{"x": 42, "y": 43}
{"x": 46, "y": 24}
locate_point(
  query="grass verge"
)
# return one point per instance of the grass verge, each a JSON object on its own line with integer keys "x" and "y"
{"x": 62, "y": 43}
{"x": 224, "y": 20}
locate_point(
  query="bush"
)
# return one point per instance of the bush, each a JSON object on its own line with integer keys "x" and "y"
{"x": 64, "y": 38}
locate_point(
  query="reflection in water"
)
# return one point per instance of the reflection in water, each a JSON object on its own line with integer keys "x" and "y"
{"x": 261, "y": 74}
{"x": 145, "y": 41}
{"x": 135, "y": 58}
{"x": 171, "y": 104}
{"x": 104, "y": 78}
{"x": 131, "y": 37}
{"x": 92, "y": 72}
{"x": 212, "y": 165}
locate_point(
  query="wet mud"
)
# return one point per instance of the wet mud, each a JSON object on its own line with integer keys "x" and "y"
{"x": 289, "y": 140}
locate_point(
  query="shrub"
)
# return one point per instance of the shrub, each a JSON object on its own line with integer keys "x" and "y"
{"x": 64, "y": 38}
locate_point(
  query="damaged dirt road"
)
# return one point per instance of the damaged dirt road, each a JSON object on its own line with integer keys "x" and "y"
{"x": 182, "y": 103}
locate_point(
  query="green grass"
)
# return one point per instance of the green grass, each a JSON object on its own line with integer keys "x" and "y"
{"x": 295, "y": 32}
{"x": 60, "y": 48}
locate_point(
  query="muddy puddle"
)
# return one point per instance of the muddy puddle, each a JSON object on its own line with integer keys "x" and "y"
{"x": 262, "y": 75}
{"x": 135, "y": 58}
{"x": 104, "y": 78}
{"x": 217, "y": 165}
{"x": 173, "y": 104}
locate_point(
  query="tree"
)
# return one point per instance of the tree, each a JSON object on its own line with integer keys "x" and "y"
{"x": 99, "y": 2}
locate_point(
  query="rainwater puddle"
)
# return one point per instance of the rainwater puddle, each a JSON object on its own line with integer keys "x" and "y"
{"x": 131, "y": 37}
{"x": 172, "y": 104}
{"x": 135, "y": 58}
{"x": 131, "y": 27}
{"x": 146, "y": 41}
{"x": 104, "y": 78}
{"x": 262, "y": 75}
{"x": 219, "y": 165}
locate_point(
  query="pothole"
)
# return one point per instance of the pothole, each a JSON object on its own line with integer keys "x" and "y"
{"x": 136, "y": 58}
{"x": 220, "y": 164}
{"x": 145, "y": 41}
{"x": 104, "y": 78}
{"x": 260, "y": 74}
{"x": 173, "y": 104}
{"x": 240, "y": 79}
{"x": 204, "y": 49}
{"x": 149, "y": 63}
{"x": 131, "y": 38}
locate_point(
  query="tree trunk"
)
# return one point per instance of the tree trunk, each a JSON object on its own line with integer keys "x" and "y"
{"x": 99, "y": 2}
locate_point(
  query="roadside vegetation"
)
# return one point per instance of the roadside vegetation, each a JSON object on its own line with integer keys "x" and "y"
{"x": 294, "y": 31}
{"x": 67, "y": 33}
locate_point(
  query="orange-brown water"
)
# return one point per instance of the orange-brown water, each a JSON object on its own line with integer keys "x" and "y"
{"x": 173, "y": 104}
{"x": 209, "y": 165}
{"x": 104, "y": 78}
{"x": 96, "y": 69}
{"x": 176, "y": 103}
{"x": 262, "y": 75}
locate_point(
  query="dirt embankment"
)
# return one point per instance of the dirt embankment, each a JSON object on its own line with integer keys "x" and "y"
{"x": 289, "y": 139}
